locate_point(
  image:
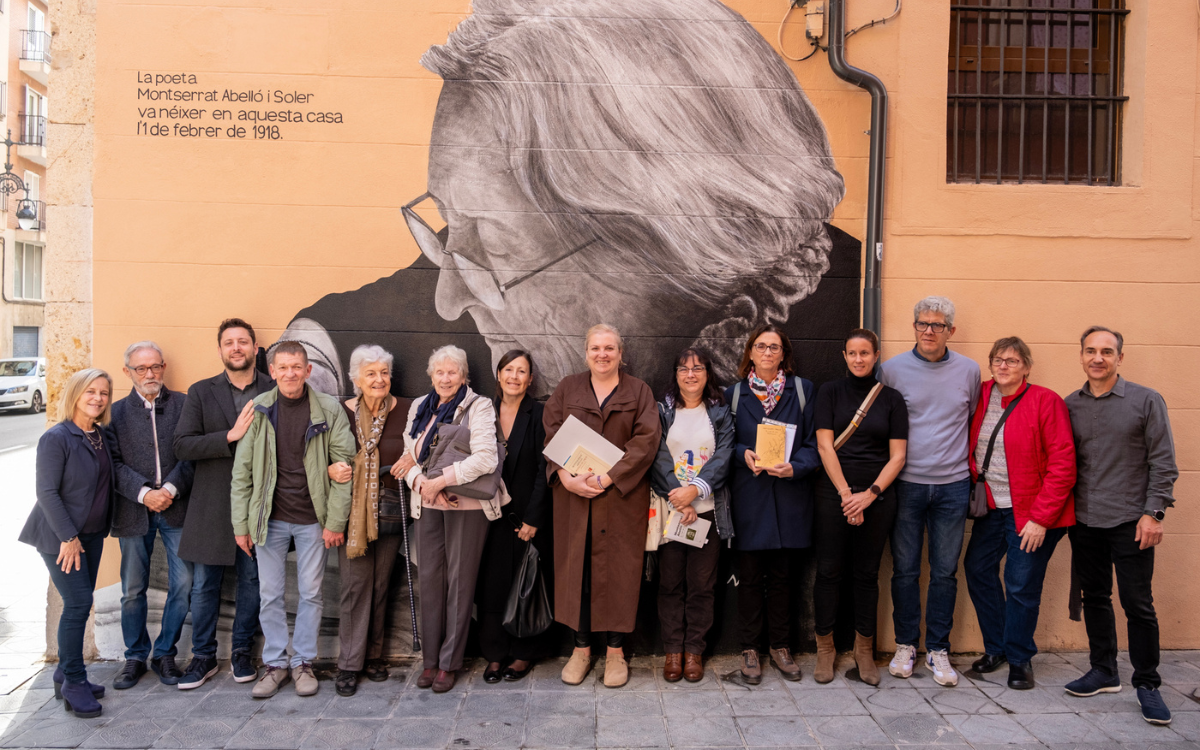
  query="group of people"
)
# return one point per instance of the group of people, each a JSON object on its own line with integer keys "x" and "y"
{"x": 246, "y": 466}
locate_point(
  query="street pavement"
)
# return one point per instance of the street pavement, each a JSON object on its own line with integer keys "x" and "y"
{"x": 20, "y": 430}
{"x": 541, "y": 712}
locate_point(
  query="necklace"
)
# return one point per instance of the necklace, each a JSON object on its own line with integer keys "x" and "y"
{"x": 96, "y": 444}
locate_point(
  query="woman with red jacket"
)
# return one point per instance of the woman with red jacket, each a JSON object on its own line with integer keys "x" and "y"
{"x": 1029, "y": 478}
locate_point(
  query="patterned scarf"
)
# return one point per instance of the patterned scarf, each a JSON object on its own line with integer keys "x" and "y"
{"x": 363, "y": 526}
{"x": 768, "y": 393}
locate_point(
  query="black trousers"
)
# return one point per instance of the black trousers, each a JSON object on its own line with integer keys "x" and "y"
{"x": 583, "y": 636}
{"x": 834, "y": 538}
{"x": 686, "y": 578}
{"x": 1094, "y": 554}
{"x": 763, "y": 584}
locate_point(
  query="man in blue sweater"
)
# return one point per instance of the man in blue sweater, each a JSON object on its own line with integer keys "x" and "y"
{"x": 941, "y": 389}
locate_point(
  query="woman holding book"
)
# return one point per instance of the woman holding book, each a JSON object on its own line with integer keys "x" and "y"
{"x": 772, "y": 499}
{"x": 691, "y": 473}
{"x": 600, "y": 519}
{"x": 862, "y": 436}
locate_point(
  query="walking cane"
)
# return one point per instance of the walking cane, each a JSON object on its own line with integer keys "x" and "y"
{"x": 412, "y": 609}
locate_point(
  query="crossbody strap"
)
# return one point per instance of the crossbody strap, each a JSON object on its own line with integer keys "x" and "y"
{"x": 987, "y": 457}
{"x": 858, "y": 416}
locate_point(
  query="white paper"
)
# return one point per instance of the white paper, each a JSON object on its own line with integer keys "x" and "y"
{"x": 574, "y": 434}
{"x": 791, "y": 435}
{"x": 695, "y": 535}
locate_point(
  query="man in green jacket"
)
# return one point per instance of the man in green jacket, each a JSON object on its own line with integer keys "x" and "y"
{"x": 282, "y": 492}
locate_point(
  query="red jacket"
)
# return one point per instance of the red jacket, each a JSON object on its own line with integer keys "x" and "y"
{"x": 1039, "y": 449}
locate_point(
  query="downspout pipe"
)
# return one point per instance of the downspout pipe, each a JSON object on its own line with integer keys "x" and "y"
{"x": 872, "y": 286}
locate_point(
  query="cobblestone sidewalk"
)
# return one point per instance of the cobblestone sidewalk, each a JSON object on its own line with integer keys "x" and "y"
{"x": 542, "y": 712}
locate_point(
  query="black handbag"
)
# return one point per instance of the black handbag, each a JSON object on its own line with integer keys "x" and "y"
{"x": 528, "y": 610}
{"x": 978, "y": 505}
{"x": 393, "y": 510}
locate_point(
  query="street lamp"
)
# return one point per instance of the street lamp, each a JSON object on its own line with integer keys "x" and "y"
{"x": 10, "y": 183}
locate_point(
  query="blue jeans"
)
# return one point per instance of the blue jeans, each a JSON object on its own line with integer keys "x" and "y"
{"x": 135, "y": 579}
{"x": 1007, "y": 614}
{"x": 76, "y": 589}
{"x": 272, "y": 579}
{"x": 942, "y": 509}
{"x": 206, "y": 606}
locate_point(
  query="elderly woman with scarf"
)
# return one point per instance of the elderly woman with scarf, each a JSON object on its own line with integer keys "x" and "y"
{"x": 367, "y": 558}
{"x": 451, "y": 529}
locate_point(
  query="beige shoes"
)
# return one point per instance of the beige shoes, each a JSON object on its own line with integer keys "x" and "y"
{"x": 577, "y": 668}
{"x": 616, "y": 671}
{"x": 269, "y": 684}
{"x": 826, "y": 655}
{"x": 306, "y": 681}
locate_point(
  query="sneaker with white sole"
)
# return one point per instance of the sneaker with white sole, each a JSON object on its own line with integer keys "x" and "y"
{"x": 939, "y": 663}
{"x": 902, "y": 663}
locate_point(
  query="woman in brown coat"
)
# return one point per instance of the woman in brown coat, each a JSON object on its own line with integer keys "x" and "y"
{"x": 600, "y": 521}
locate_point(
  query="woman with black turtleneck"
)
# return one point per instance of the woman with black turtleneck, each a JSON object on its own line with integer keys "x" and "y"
{"x": 855, "y": 501}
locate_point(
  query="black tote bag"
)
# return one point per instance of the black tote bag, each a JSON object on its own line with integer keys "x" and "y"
{"x": 528, "y": 610}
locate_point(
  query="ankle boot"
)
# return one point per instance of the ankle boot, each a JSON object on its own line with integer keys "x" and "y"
{"x": 826, "y": 653}
{"x": 864, "y": 656}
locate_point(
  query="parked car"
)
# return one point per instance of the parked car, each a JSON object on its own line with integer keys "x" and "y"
{"x": 23, "y": 384}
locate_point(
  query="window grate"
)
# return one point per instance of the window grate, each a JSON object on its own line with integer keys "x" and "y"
{"x": 1035, "y": 91}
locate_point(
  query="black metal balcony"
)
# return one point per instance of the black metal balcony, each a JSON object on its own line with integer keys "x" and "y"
{"x": 35, "y": 45}
{"x": 31, "y": 129}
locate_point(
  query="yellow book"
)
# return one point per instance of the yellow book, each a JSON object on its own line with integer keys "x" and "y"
{"x": 583, "y": 461}
{"x": 771, "y": 445}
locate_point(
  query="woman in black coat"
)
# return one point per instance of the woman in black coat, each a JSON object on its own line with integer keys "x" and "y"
{"x": 524, "y": 473}
{"x": 73, "y": 514}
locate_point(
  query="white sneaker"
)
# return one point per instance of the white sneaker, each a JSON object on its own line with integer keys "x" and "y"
{"x": 939, "y": 663}
{"x": 902, "y": 663}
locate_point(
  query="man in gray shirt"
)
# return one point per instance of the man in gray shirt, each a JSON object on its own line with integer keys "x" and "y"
{"x": 1126, "y": 477}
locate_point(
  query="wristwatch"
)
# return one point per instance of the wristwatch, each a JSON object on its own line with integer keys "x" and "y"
{"x": 875, "y": 490}
{"x": 1157, "y": 515}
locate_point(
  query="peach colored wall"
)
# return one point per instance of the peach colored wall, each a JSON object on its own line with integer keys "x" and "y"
{"x": 262, "y": 228}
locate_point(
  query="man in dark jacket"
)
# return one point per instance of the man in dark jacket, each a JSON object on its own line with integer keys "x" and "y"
{"x": 216, "y": 416}
{"x": 152, "y": 491}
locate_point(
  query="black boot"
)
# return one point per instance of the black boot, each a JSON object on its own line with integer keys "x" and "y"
{"x": 79, "y": 700}
{"x": 988, "y": 663}
{"x": 1020, "y": 676}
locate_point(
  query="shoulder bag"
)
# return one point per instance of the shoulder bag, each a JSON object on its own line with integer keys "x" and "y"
{"x": 978, "y": 507}
{"x": 453, "y": 444}
{"x": 527, "y": 612}
{"x": 858, "y": 417}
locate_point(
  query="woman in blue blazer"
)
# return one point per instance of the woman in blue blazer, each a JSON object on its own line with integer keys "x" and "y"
{"x": 773, "y": 505}
{"x": 73, "y": 514}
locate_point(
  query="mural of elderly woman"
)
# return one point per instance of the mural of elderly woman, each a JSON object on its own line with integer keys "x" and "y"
{"x": 366, "y": 560}
{"x": 647, "y": 162}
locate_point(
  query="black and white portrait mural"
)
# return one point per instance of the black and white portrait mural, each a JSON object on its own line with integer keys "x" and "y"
{"x": 651, "y": 164}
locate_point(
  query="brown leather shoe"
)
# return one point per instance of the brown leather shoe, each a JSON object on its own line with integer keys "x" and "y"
{"x": 444, "y": 681}
{"x": 826, "y": 654}
{"x": 864, "y": 656}
{"x": 693, "y": 667}
{"x": 751, "y": 671}
{"x": 673, "y": 668}
{"x": 788, "y": 668}
{"x": 425, "y": 681}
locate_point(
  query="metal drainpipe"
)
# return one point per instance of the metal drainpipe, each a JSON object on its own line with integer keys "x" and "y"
{"x": 872, "y": 287}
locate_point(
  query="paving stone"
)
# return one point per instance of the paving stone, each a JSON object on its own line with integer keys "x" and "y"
{"x": 621, "y": 703}
{"x": 894, "y": 701}
{"x": 1177, "y": 701}
{"x": 702, "y": 731}
{"x": 54, "y": 732}
{"x": 157, "y": 704}
{"x": 492, "y": 704}
{"x": 1186, "y": 725}
{"x": 24, "y": 701}
{"x": 560, "y": 731}
{"x": 1173, "y": 673}
{"x": 406, "y": 732}
{"x": 640, "y": 679}
{"x": 1131, "y": 728}
{"x": 272, "y": 733}
{"x": 829, "y": 702}
{"x": 482, "y": 732}
{"x": 1062, "y": 728}
{"x": 427, "y": 703}
{"x": 194, "y": 732}
{"x": 361, "y": 705}
{"x": 343, "y": 734}
{"x": 918, "y": 729}
{"x": 1036, "y": 701}
{"x": 991, "y": 729}
{"x": 778, "y": 703}
{"x": 10, "y": 724}
{"x": 775, "y": 731}
{"x": 960, "y": 700}
{"x": 630, "y": 731}
{"x": 557, "y": 702}
{"x": 846, "y": 730}
{"x": 130, "y": 733}
{"x": 711, "y": 703}
{"x": 226, "y": 705}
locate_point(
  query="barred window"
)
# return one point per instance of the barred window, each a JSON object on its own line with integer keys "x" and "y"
{"x": 1035, "y": 91}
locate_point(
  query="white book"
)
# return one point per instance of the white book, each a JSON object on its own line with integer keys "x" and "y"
{"x": 696, "y": 534}
{"x": 791, "y": 436}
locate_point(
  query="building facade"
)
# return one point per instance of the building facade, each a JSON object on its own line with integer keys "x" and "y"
{"x": 1040, "y": 171}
